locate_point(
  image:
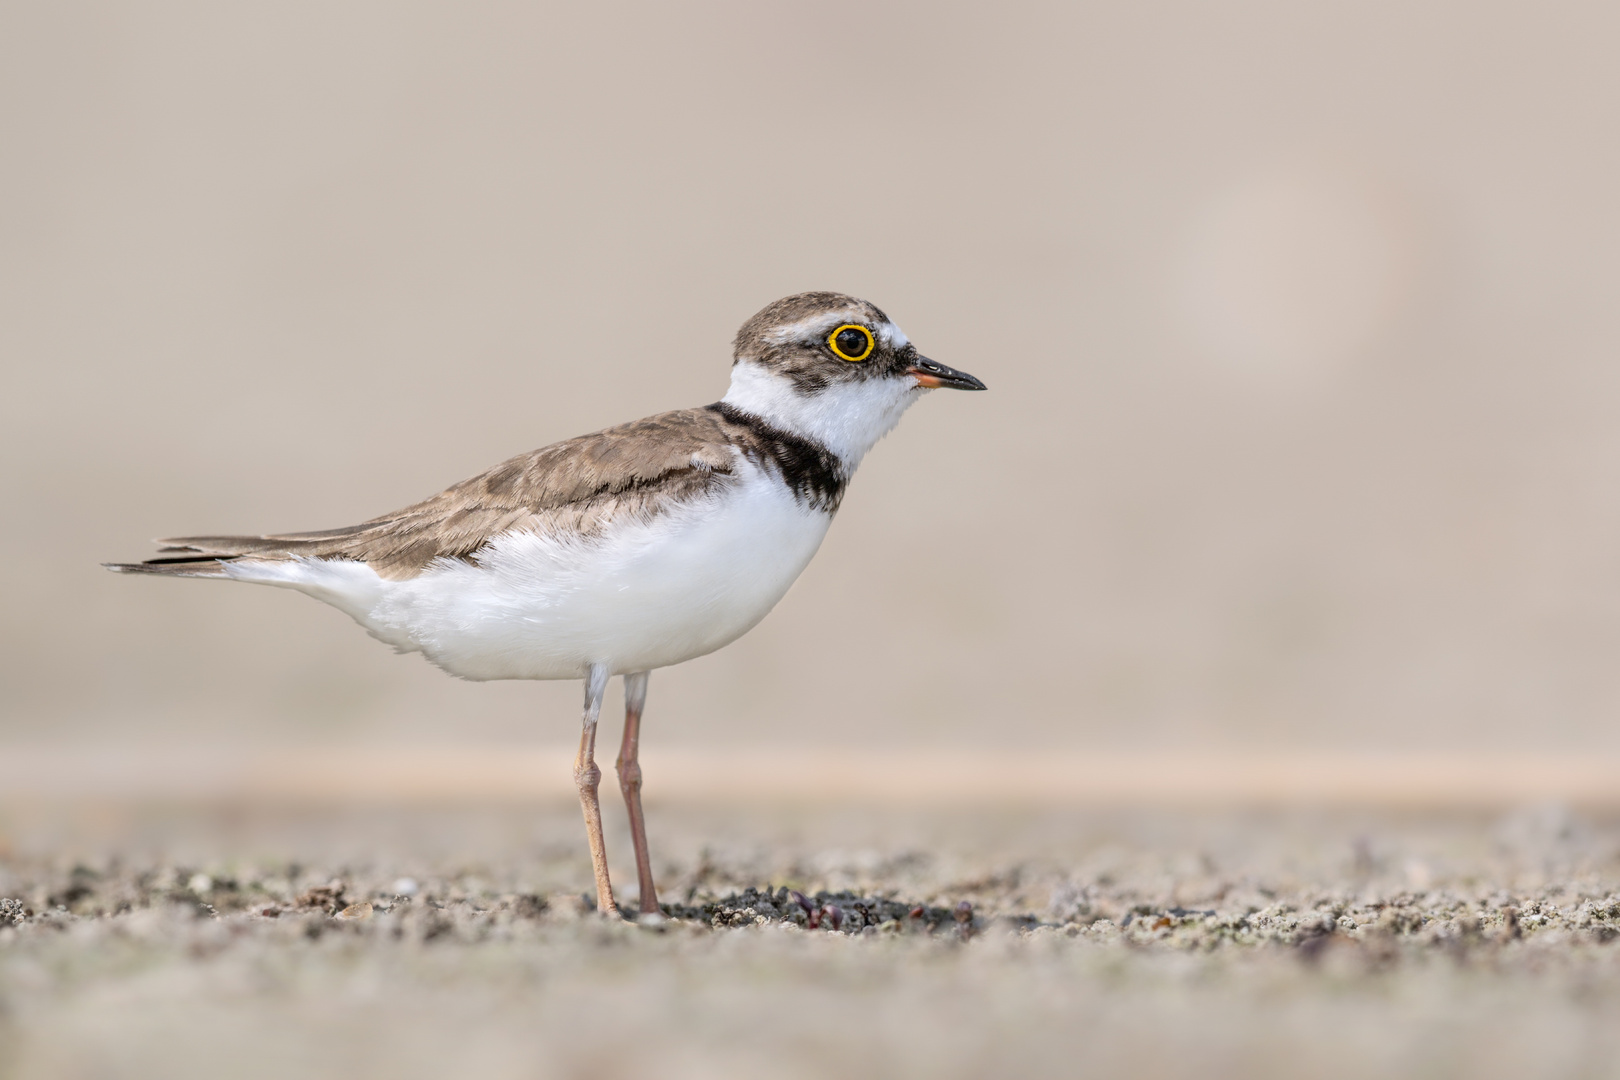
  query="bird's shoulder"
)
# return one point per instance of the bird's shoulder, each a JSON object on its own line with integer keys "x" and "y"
{"x": 647, "y": 453}
{"x": 580, "y": 485}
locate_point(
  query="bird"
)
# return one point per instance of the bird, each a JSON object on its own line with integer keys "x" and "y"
{"x": 616, "y": 553}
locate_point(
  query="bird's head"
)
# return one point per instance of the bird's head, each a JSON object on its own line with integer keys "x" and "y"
{"x": 832, "y": 368}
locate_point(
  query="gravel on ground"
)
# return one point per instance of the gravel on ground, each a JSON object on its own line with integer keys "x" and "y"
{"x": 810, "y": 942}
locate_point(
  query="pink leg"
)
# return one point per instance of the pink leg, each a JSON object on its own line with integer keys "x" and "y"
{"x": 587, "y": 777}
{"x": 635, "y": 696}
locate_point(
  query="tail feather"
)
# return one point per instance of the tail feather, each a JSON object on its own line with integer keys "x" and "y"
{"x": 284, "y": 544}
{"x": 211, "y": 566}
{"x": 205, "y": 556}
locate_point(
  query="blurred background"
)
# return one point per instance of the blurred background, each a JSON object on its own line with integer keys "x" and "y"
{"x": 1298, "y": 320}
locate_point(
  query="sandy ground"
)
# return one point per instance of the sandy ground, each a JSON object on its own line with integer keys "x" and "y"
{"x": 456, "y": 942}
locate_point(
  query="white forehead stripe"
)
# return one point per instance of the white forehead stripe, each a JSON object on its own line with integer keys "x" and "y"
{"x": 893, "y": 335}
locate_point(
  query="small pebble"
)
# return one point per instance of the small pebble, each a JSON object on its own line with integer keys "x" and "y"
{"x": 406, "y": 887}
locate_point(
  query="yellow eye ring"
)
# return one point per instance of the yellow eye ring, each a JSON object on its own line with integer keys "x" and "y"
{"x": 842, "y": 352}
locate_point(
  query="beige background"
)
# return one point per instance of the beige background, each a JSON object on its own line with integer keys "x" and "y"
{"x": 1299, "y": 323}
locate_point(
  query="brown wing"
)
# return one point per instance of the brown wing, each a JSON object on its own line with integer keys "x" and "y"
{"x": 579, "y": 484}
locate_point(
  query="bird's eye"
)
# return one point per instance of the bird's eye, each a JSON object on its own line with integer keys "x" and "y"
{"x": 851, "y": 342}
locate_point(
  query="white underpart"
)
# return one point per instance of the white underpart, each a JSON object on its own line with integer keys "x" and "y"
{"x": 847, "y": 418}
{"x": 644, "y": 595}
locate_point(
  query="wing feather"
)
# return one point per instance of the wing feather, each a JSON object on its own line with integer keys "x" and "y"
{"x": 581, "y": 484}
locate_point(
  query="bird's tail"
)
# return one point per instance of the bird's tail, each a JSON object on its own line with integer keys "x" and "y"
{"x": 206, "y": 556}
{"x": 195, "y": 566}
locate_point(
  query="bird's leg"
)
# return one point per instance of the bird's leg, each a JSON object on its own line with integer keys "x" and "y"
{"x": 587, "y": 777}
{"x": 635, "y": 696}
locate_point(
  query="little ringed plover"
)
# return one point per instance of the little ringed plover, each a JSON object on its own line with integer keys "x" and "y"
{"x": 610, "y": 554}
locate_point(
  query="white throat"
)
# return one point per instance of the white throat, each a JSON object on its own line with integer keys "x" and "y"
{"x": 846, "y": 418}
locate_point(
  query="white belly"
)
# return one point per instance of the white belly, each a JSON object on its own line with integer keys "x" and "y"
{"x": 643, "y": 596}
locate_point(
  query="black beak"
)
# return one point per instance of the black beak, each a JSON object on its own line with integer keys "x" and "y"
{"x": 932, "y": 374}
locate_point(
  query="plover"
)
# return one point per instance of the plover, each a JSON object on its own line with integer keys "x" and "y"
{"x": 616, "y": 553}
